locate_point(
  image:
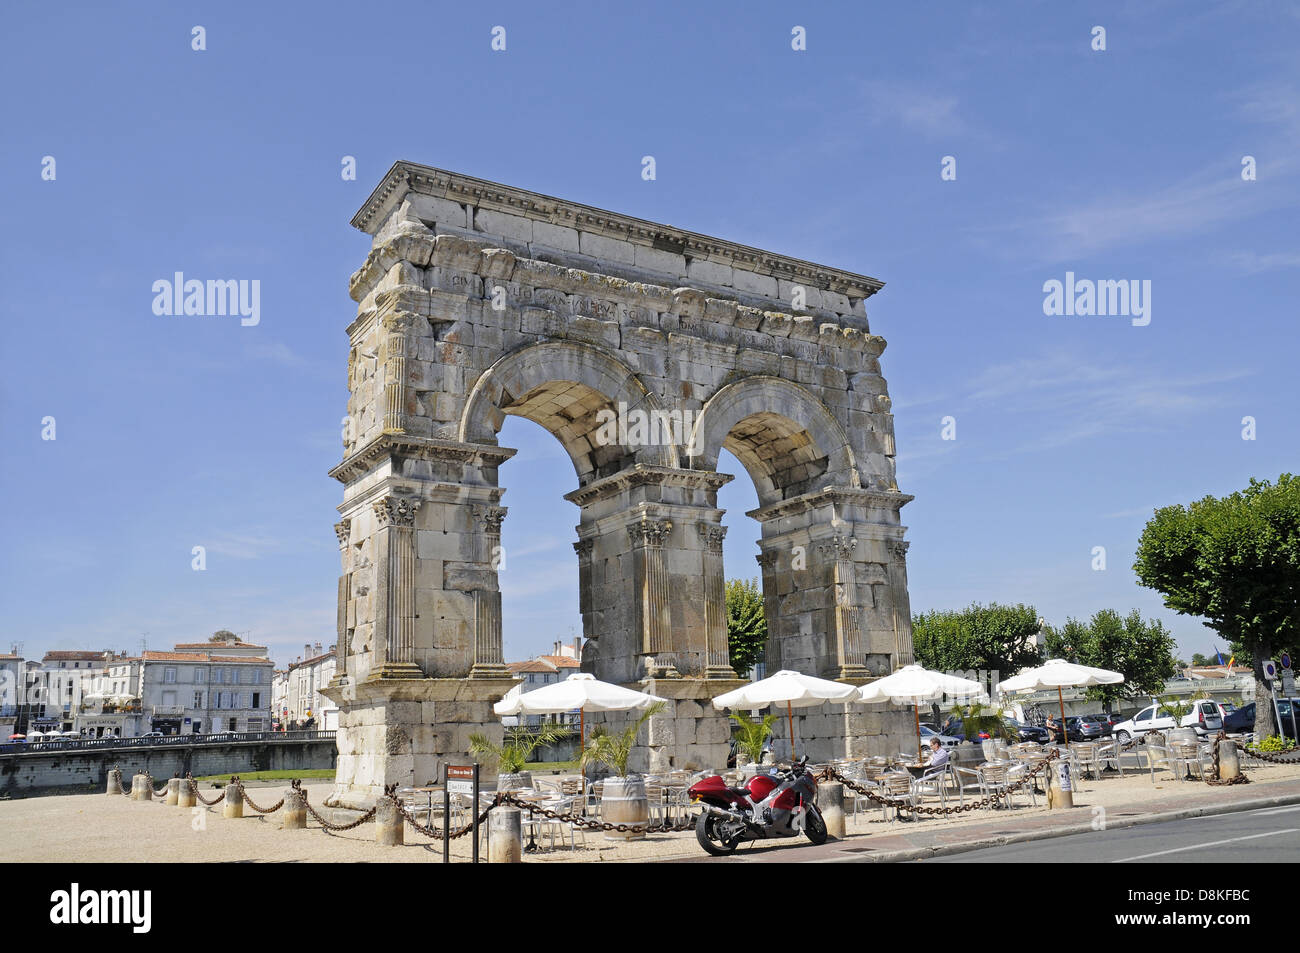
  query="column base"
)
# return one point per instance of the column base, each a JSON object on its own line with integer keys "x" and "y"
{"x": 853, "y": 673}
{"x": 396, "y": 670}
{"x": 652, "y": 667}
{"x": 489, "y": 670}
{"x": 720, "y": 671}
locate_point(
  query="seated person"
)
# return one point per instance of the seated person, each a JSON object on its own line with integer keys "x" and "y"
{"x": 938, "y": 754}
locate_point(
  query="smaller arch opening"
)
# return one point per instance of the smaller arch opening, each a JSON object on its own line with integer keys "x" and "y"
{"x": 572, "y": 412}
{"x": 781, "y": 456}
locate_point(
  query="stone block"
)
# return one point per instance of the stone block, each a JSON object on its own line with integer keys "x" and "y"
{"x": 430, "y": 209}
{"x": 558, "y": 237}
{"x": 503, "y": 224}
{"x": 764, "y": 285}
{"x": 653, "y": 259}
{"x": 601, "y": 246}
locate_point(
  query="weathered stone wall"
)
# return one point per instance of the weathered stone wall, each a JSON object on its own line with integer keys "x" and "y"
{"x": 31, "y": 773}
{"x": 479, "y": 300}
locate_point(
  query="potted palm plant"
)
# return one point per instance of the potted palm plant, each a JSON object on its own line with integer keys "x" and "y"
{"x": 751, "y": 736}
{"x": 622, "y": 799}
{"x": 982, "y": 725}
{"x": 516, "y": 748}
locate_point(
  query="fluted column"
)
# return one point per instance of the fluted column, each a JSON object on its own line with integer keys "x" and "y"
{"x": 904, "y": 651}
{"x": 716, "y": 648}
{"x": 395, "y": 622}
{"x": 583, "y": 548}
{"x": 342, "y": 642}
{"x": 398, "y": 342}
{"x": 850, "y": 655}
{"x": 772, "y": 659}
{"x": 489, "y": 660}
{"x": 653, "y": 612}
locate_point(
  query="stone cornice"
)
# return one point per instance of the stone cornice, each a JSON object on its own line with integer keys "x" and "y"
{"x": 840, "y": 496}
{"x": 642, "y": 474}
{"x": 424, "y": 448}
{"x": 406, "y": 177}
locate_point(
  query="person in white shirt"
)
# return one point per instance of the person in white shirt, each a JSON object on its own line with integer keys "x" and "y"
{"x": 938, "y": 754}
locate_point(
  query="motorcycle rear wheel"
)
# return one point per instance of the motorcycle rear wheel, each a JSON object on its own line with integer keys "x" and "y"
{"x": 814, "y": 826}
{"x": 706, "y": 833}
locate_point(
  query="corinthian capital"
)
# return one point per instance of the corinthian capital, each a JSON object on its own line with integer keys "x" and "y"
{"x": 649, "y": 532}
{"x": 837, "y": 547}
{"x": 712, "y": 535}
{"x": 342, "y": 530}
{"x": 490, "y": 518}
{"x": 396, "y": 510}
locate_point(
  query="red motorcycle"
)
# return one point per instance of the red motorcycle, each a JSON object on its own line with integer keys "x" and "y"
{"x": 769, "y": 805}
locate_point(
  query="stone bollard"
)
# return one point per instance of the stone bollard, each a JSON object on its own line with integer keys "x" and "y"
{"x": 1229, "y": 764}
{"x": 140, "y": 790}
{"x": 295, "y": 810}
{"x": 390, "y": 826}
{"x": 173, "y": 792}
{"x": 185, "y": 793}
{"x": 233, "y": 805}
{"x": 830, "y": 798}
{"x": 1060, "y": 785}
{"x": 114, "y": 782}
{"x": 505, "y": 836}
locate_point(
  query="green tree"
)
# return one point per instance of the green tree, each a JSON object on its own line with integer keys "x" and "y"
{"x": 1142, "y": 651}
{"x": 1198, "y": 659}
{"x": 221, "y": 635}
{"x": 1235, "y": 562}
{"x": 995, "y": 638}
{"x": 751, "y": 735}
{"x": 518, "y": 745}
{"x": 615, "y": 750}
{"x": 746, "y": 624}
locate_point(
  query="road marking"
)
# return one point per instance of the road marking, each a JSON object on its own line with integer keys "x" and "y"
{"x": 1276, "y": 810}
{"x": 1215, "y": 843}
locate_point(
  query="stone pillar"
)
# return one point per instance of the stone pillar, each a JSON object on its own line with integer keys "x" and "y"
{"x": 295, "y": 810}
{"x": 653, "y": 618}
{"x": 390, "y": 826}
{"x": 830, "y": 799}
{"x": 489, "y": 662}
{"x": 114, "y": 782}
{"x": 846, "y": 648}
{"x": 233, "y": 804}
{"x": 1229, "y": 763}
{"x": 505, "y": 836}
{"x": 185, "y": 793}
{"x": 395, "y": 576}
{"x": 140, "y": 790}
{"x": 718, "y": 656}
{"x": 173, "y": 792}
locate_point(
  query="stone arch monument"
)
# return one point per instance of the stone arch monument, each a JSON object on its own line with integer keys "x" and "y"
{"x": 645, "y": 350}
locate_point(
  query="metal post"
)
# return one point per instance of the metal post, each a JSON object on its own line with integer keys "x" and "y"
{"x": 474, "y": 808}
{"x": 446, "y": 817}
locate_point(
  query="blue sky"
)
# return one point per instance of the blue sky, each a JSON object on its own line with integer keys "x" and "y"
{"x": 173, "y": 432}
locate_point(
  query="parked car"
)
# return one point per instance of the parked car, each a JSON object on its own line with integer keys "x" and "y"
{"x": 152, "y": 734}
{"x": 948, "y": 741}
{"x": 1240, "y": 721}
{"x": 1204, "y": 718}
{"x": 1107, "y": 722}
{"x": 1084, "y": 728}
{"x": 1029, "y": 732}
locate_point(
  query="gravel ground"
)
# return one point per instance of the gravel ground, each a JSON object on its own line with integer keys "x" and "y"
{"x": 96, "y": 828}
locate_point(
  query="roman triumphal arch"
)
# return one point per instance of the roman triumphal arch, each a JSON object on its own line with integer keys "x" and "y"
{"x": 645, "y": 350}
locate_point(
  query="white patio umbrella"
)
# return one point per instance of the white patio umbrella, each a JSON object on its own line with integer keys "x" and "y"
{"x": 913, "y": 684}
{"x": 795, "y": 689}
{"x": 580, "y": 690}
{"x": 1058, "y": 673}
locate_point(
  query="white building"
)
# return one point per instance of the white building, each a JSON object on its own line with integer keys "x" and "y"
{"x": 205, "y": 692}
{"x": 112, "y": 706}
{"x": 303, "y": 703}
{"x": 12, "y": 683}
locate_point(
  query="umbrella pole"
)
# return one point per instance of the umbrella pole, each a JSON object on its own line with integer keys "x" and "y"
{"x": 789, "y": 714}
{"x": 582, "y": 739}
{"x": 916, "y": 710}
{"x": 1064, "y": 731}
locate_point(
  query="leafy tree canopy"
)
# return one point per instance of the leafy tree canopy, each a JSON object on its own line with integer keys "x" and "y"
{"x": 746, "y": 624}
{"x": 221, "y": 635}
{"x": 995, "y": 638}
{"x": 1143, "y": 651}
{"x": 1235, "y": 562}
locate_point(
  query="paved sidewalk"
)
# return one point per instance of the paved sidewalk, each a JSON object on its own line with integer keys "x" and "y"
{"x": 912, "y": 840}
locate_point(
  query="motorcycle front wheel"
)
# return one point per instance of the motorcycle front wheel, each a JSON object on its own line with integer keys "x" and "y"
{"x": 706, "y": 832}
{"x": 814, "y": 826}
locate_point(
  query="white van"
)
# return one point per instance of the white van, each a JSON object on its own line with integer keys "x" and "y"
{"x": 1204, "y": 717}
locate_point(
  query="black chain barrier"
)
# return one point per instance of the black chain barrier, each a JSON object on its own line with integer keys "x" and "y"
{"x": 116, "y": 772}
{"x": 328, "y": 825}
{"x": 243, "y": 793}
{"x": 664, "y": 828}
{"x": 194, "y": 789}
{"x": 830, "y": 774}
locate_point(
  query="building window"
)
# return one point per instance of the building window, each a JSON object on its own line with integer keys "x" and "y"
{"x": 198, "y": 699}
{"x": 169, "y": 675}
{"x": 257, "y": 700}
{"x": 200, "y": 676}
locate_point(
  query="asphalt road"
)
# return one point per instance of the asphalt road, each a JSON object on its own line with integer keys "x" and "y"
{"x": 1271, "y": 835}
